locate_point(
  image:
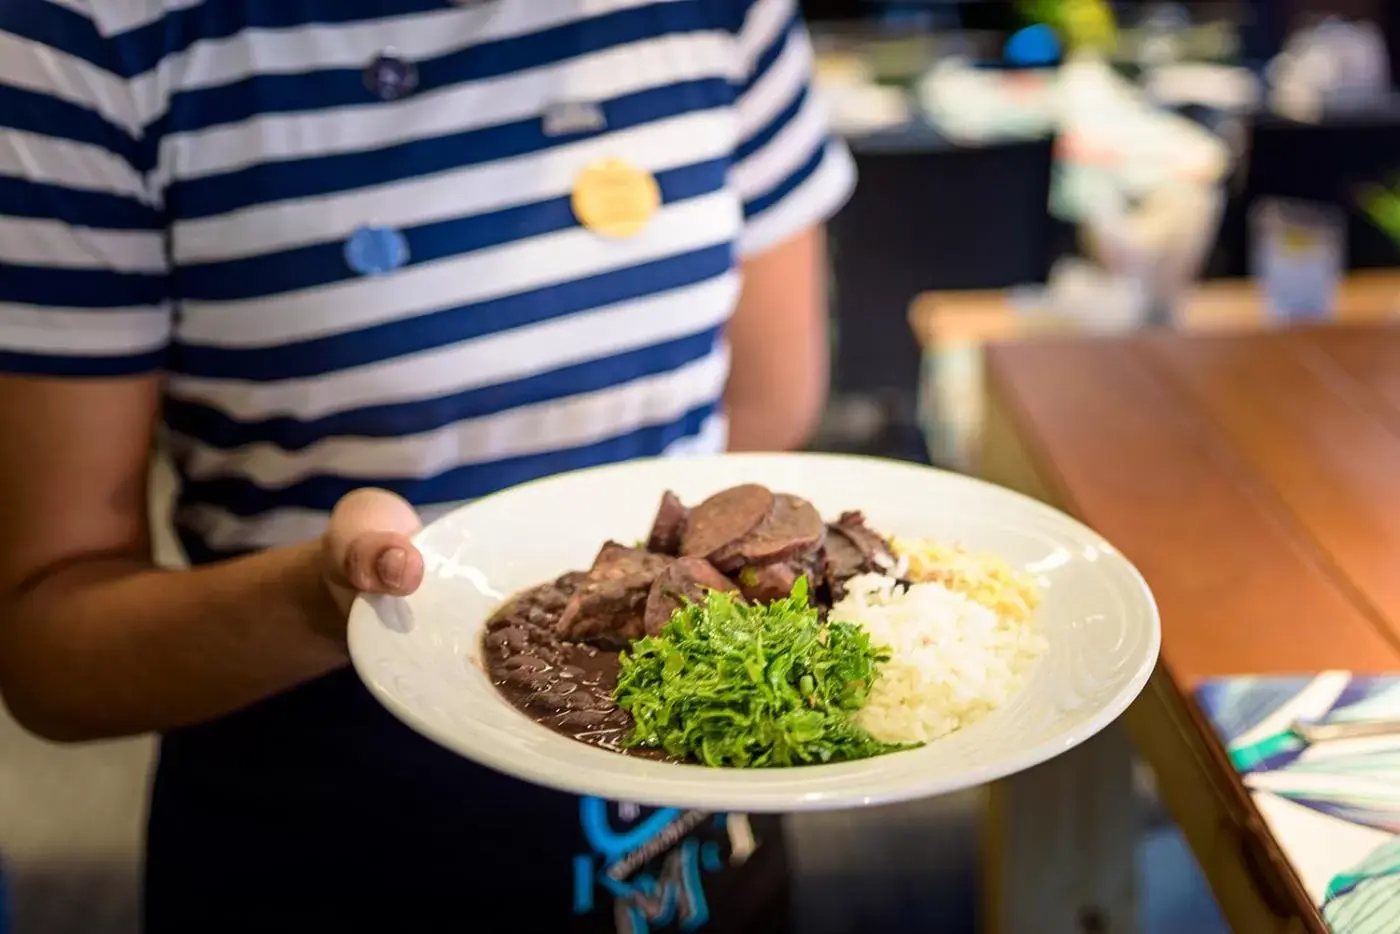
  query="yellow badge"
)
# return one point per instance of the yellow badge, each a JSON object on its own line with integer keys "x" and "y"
{"x": 614, "y": 198}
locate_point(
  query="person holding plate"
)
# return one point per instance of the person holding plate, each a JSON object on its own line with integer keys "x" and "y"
{"x": 358, "y": 262}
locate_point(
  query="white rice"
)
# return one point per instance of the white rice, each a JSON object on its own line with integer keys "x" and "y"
{"x": 952, "y": 660}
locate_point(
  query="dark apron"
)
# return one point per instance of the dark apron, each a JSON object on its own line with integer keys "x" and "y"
{"x": 317, "y": 811}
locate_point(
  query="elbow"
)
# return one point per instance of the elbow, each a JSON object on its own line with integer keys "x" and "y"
{"x": 24, "y": 692}
{"x": 60, "y": 734}
{"x": 51, "y": 729}
{"x": 40, "y": 718}
{"x": 46, "y": 682}
{"x": 37, "y": 703}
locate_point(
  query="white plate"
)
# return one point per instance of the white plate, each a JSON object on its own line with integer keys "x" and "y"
{"x": 422, "y": 656}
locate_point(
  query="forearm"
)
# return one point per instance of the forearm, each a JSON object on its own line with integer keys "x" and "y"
{"x": 779, "y": 347}
{"x": 112, "y": 648}
{"x": 785, "y": 426}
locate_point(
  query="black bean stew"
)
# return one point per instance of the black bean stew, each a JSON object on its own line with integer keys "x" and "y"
{"x": 552, "y": 651}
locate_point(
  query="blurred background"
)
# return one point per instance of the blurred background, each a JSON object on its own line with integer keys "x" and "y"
{"x": 1091, "y": 163}
{"x": 1027, "y": 168}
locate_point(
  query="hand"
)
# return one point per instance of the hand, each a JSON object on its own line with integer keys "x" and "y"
{"x": 368, "y": 547}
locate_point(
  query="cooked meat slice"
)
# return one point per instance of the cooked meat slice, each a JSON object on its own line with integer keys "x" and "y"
{"x": 768, "y": 582}
{"x": 874, "y": 548}
{"x": 844, "y": 559}
{"x": 606, "y": 612}
{"x": 620, "y": 562}
{"x": 608, "y": 604}
{"x": 725, "y": 517}
{"x": 813, "y": 565}
{"x": 684, "y": 579}
{"x": 793, "y": 528}
{"x": 852, "y": 548}
{"x": 669, "y": 525}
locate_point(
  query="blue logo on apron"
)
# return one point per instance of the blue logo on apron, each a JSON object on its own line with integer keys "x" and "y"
{"x": 650, "y": 865}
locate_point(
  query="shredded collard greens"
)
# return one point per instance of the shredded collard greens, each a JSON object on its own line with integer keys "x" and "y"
{"x": 739, "y": 685}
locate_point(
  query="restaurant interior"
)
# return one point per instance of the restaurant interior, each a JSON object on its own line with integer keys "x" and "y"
{"x": 1137, "y": 260}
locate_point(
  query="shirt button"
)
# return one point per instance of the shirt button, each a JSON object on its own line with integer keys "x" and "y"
{"x": 391, "y": 77}
{"x": 373, "y": 251}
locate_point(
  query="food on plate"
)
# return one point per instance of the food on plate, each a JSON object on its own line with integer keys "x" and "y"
{"x": 951, "y": 659}
{"x": 751, "y": 684}
{"x": 986, "y": 579}
{"x": 749, "y": 632}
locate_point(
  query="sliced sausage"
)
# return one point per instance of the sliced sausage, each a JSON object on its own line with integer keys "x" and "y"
{"x": 793, "y": 528}
{"x": 725, "y": 517}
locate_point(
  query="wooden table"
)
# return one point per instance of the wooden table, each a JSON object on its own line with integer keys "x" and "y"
{"x": 952, "y": 328}
{"x": 1255, "y": 481}
{"x": 986, "y": 315}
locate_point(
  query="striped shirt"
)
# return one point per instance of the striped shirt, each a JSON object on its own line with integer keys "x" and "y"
{"x": 342, "y": 231}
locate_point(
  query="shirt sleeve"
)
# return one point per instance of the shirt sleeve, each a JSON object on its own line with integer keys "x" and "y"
{"x": 788, "y": 168}
{"x": 83, "y": 268}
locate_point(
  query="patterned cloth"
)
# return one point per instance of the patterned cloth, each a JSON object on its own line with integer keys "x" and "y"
{"x": 343, "y": 231}
{"x": 1333, "y": 807}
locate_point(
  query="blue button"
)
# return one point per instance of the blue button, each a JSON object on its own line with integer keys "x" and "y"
{"x": 373, "y": 251}
{"x": 391, "y": 77}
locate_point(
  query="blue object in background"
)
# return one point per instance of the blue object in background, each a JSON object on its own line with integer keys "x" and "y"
{"x": 1033, "y": 47}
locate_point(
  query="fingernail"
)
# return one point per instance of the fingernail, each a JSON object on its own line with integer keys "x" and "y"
{"x": 391, "y": 566}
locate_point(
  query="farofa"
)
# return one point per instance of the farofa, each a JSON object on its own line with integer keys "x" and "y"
{"x": 985, "y": 578}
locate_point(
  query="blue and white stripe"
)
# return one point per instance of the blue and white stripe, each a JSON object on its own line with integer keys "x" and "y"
{"x": 179, "y": 178}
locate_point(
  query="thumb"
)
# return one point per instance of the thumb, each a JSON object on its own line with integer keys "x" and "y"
{"x": 368, "y": 546}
